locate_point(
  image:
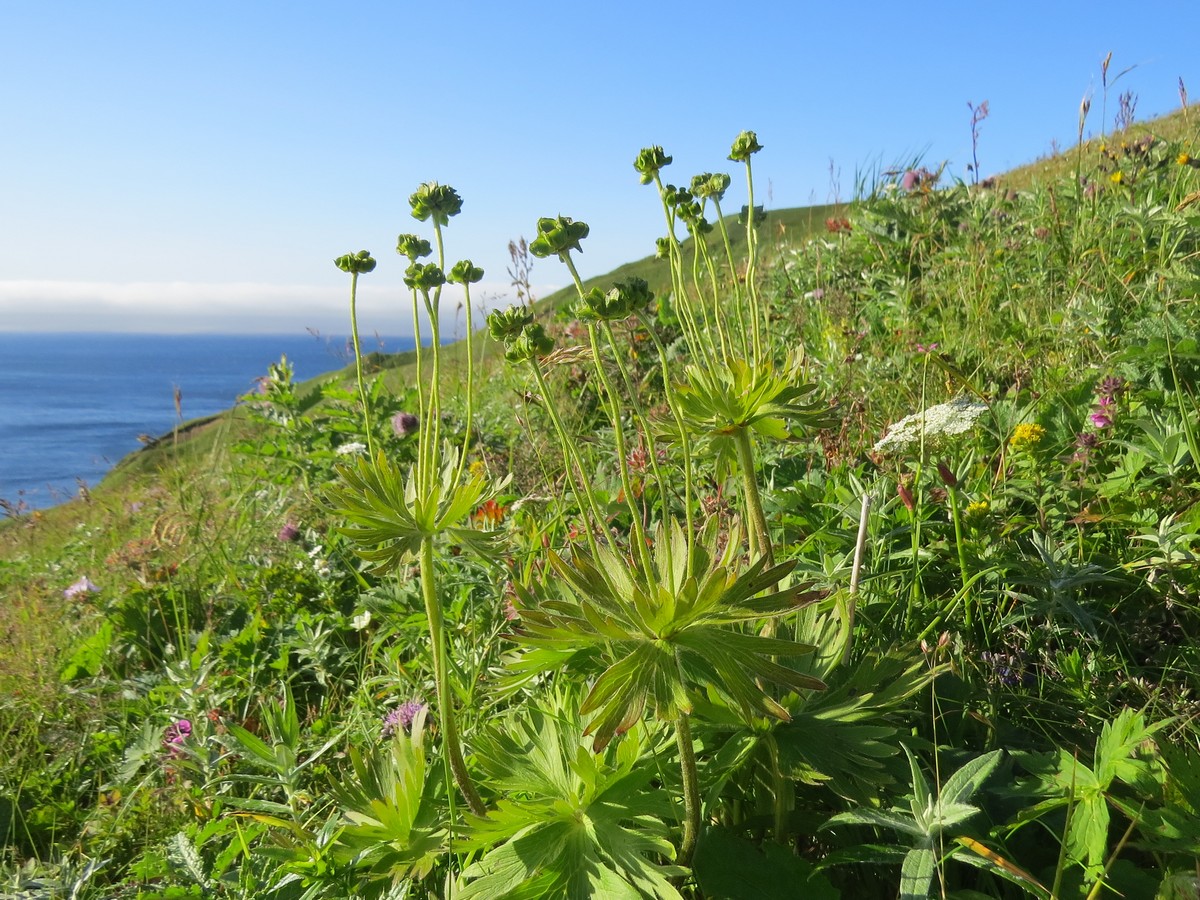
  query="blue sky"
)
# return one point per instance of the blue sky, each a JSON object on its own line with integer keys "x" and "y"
{"x": 175, "y": 166}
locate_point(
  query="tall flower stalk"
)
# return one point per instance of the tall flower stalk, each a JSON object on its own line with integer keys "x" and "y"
{"x": 356, "y": 264}
{"x": 393, "y": 515}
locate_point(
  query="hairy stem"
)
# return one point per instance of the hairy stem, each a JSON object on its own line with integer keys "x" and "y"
{"x": 437, "y": 634}
{"x": 760, "y": 535}
{"x": 358, "y": 366}
{"x": 691, "y": 789}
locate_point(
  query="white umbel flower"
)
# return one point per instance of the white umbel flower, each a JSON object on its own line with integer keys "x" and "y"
{"x": 936, "y": 423}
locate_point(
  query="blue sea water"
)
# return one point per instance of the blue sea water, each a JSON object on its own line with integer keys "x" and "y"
{"x": 72, "y": 405}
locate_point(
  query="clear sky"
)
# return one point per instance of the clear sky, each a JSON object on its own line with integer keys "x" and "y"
{"x": 182, "y": 166}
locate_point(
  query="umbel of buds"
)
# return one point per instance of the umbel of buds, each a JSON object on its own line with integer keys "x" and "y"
{"x": 424, "y": 276}
{"x": 523, "y": 338}
{"x": 621, "y": 301}
{"x": 531, "y": 343}
{"x": 413, "y": 247}
{"x": 558, "y": 236}
{"x": 355, "y": 263}
{"x": 745, "y": 145}
{"x": 465, "y": 272}
{"x": 506, "y": 324}
{"x": 649, "y": 161}
{"x": 710, "y": 185}
{"x": 435, "y": 201}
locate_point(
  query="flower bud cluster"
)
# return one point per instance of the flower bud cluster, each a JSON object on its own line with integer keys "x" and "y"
{"x": 523, "y": 338}
{"x": 620, "y": 301}
{"x": 558, "y": 236}
{"x": 356, "y": 263}
{"x": 435, "y": 201}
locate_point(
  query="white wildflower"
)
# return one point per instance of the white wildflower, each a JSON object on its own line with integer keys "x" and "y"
{"x": 352, "y": 448}
{"x": 944, "y": 420}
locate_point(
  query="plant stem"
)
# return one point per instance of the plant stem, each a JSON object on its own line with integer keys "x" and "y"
{"x": 691, "y": 789}
{"x": 760, "y": 535}
{"x": 470, "y": 415}
{"x": 962, "y": 553}
{"x": 855, "y": 570}
{"x": 437, "y": 635}
{"x": 574, "y": 465}
{"x": 752, "y": 265}
{"x": 672, "y": 402}
{"x": 358, "y": 366}
{"x": 778, "y": 789}
{"x": 638, "y": 534}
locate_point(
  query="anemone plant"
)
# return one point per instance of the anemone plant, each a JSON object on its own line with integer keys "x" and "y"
{"x": 726, "y": 405}
{"x": 393, "y": 515}
{"x": 663, "y": 637}
{"x": 573, "y": 823}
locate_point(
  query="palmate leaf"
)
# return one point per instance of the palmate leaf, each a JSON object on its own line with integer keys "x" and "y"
{"x": 573, "y": 824}
{"x": 721, "y": 400}
{"x": 392, "y": 827}
{"x": 845, "y": 737}
{"x": 666, "y": 636}
{"x": 387, "y": 517}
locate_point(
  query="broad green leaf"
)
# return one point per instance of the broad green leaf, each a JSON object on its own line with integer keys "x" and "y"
{"x": 963, "y": 784}
{"x": 916, "y": 874}
{"x": 881, "y": 818}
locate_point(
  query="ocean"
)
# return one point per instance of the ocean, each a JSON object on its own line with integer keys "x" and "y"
{"x": 73, "y": 405}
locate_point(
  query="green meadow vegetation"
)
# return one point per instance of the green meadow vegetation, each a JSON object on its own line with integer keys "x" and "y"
{"x": 849, "y": 551}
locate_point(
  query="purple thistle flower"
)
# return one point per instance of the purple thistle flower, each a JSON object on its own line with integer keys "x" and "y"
{"x": 911, "y": 180}
{"x": 404, "y": 424}
{"x": 289, "y": 533}
{"x": 83, "y": 586}
{"x": 401, "y": 718}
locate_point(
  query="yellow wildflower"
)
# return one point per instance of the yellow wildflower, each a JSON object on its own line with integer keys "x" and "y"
{"x": 977, "y": 512}
{"x": 1116, "y": 177}
{"x": 1183, "y": 159}
{"x": 1026, "y": 436}
{"x": 477, "y": 469}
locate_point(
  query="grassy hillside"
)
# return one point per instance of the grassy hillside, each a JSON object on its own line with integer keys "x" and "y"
{"x": 870, "y": 567}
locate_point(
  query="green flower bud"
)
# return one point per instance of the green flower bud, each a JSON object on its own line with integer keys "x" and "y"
{"x": 438, "y": 201}
{"x": 649, "y": 161}
{"x": 531, "y": 343}
{"x": 710, "y": 185}
{"x": 619, "y": 302}
{"x": 662, "y": 248}
{"x": 424, "y": 277}
{"x": 507, "y": 324}
{"x": 355, "y": 263}
{"x": 744, "y": 147}
{"x": 465, "y": 272}
{"x": 558, "y": 236}
{"x": 760, "y": 215}
{"x": 413, "y": 247}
